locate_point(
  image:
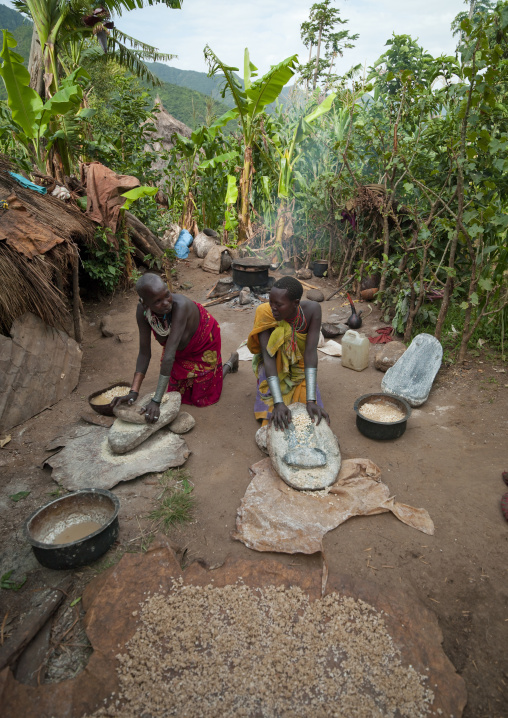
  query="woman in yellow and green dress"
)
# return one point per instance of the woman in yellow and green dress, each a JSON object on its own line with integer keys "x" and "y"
{"x": 284, "y": 343}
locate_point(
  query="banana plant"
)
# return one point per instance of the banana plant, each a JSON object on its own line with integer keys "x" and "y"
{"x": 250, "y": 100}
{"x": 288, "y": 160}
{"x": 188, "y": 148}
{"x": 36, "y": 120}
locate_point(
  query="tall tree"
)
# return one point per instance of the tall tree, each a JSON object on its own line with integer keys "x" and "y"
{"x": 319, "y": 31}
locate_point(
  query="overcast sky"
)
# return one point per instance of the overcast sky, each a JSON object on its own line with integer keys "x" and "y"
{"x": 271, "y": 29}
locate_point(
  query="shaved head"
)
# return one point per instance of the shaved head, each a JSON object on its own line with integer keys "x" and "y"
{"x": 150, "y": 284}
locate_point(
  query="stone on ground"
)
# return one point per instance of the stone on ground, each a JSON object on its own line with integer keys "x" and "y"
{"x": 245, "y": 296}
{"x": 113, "y": 324}
{"x": 412, "y": 376}
{"x": 304, "y": 274}
{"x": 261, "y": 438}
{"x": 183, "y": 423}
{"x": 306, "y": 456}
{"x": 388, "y": 354}
{"x": 315, "y": 295}
{"x": 125, "y": 435}
{"x": 87, "y": 461}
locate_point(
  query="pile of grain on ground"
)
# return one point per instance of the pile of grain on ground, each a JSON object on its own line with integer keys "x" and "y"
{"x": 236, "y": 651}
{"x": 108, "y": 396}
{"x": 380, "y": 411}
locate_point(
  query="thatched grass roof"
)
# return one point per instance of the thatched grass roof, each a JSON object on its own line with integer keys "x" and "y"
{"x": 36, "y": 285}
{"x": 66, "y": 220}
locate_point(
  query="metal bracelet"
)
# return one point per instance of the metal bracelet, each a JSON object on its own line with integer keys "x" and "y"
{"x": 273, "y": 383}
{"x": 162, "y": 386}
{"x": 311, "y": 381}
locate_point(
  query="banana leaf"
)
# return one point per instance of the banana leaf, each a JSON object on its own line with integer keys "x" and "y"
{"x": 24, "y": 103}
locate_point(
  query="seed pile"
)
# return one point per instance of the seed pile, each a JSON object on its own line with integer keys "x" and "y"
{"x": 237, "y": 651}
{"x": 381, "y": 411}
{"x": 108, "y": 396}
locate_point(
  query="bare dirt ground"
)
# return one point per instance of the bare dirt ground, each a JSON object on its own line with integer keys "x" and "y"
{"x": 449, "y": 462}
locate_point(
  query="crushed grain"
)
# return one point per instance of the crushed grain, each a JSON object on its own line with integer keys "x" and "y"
{"x": 108, "y": 396}
{"x": 381, "y": 411}
{"x": 237, "y": 651}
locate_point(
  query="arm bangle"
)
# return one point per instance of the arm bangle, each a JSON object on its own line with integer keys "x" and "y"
{"x": 162, "y": 385}
{"x": 273, "y": 383}
{"x": 310, "y": 381}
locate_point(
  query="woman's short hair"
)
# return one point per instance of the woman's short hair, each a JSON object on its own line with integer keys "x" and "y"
{"x": 292, "y": 287}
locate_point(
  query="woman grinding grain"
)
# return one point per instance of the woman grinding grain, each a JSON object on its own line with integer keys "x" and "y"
{"x": 284, "y": 343}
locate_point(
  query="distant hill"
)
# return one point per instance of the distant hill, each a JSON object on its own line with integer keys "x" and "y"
{"x": 198, "y": 81}
{"x": 21, "y": 29}
{"x": 188, "y": 106}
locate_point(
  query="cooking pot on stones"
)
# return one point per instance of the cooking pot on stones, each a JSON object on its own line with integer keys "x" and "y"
{"x": 44, "y": 525}
{"x": 382, "y": 430}
{"x": 250, "y": 272}
{"x": 320, "y": 267}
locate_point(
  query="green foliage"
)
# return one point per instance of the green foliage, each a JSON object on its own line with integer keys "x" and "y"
{"x": 175, "y": 504}
{"x": 9, "y": 584}
{"x": 103, "y": 261}
{"x": 20, "y": 495}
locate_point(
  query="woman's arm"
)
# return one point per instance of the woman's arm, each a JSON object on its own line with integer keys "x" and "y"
{"x": 143, "y": 360}
{"x": 310, "y": 361}
{"x": 281, "y": 415}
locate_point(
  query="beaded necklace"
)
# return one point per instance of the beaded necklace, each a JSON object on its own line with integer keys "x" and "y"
{"x": 297, "y": 324}
{"x": 162, "y": 328}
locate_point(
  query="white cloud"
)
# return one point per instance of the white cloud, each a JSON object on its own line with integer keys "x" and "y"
{"x": 271, "y": 29}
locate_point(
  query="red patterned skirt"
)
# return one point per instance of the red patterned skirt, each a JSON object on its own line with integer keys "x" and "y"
{"x": 197, "y": 369}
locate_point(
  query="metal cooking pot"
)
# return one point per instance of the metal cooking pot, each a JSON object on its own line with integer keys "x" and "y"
{"x": 250, "y": 272}
{"x": 96, "y": 505}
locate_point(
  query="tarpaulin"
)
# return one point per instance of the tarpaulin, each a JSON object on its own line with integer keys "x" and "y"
{"x": 274, "y": 517}
{"x": 103, "y": 190}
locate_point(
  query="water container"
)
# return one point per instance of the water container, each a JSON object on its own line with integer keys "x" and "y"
{"x": 355, "y": 350}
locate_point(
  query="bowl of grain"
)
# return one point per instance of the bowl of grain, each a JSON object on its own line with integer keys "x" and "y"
{"x": 382, "y": 416}
{"x": 100, "y": 401}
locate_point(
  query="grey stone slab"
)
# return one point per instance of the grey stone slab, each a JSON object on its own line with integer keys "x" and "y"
{"x": 412, "y": 376}
{"x": 388, "y": 354}
{"x": 125, "y": 435}
{"x": 88, "y": 462}
{"x": 39, "y": 365}
{"x": 306, "y": 456}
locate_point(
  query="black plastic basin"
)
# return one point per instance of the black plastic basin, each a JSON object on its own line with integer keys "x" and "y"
{"x": 42, "y": 527}
{"x": 382, "y": 430}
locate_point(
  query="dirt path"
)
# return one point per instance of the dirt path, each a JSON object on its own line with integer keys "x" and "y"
{"x": 449, "y": 461}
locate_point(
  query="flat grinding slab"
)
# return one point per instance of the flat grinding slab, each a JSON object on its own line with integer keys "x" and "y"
{"x": 87, "y": 461}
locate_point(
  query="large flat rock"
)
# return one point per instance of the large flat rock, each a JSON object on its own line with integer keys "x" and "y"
{"x": 305, "y": 455}
{"x": 125, "y": 435}
{"x": 412, "y": 376}
{"x": 39, "y": 365}
{"x": 87, "y": 461}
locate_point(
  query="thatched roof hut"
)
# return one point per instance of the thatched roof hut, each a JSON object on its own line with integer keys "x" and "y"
{"x": 166, "y": 126}
{"x": 36, "y": 266}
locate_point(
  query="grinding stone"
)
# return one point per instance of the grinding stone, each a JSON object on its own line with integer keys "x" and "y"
{"x": 412, "y": 376}
{"x": 307, "y": 459}
{"x": 125, "y": 436}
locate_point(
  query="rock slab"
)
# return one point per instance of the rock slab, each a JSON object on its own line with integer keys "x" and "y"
{"x": 315, "y": 295}
{"x": 88, "y": 462}
{"x": 39, "y": 365}
{"x": 412, "y": 376}
{"x": 125, "y": 435}
{"x": 305, "y": 456}
{"x": 388, "y": 354}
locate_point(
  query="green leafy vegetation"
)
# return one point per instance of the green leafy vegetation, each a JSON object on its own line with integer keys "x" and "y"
{"x": 175, "y": 505}
{"x": 9, "y": 584}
